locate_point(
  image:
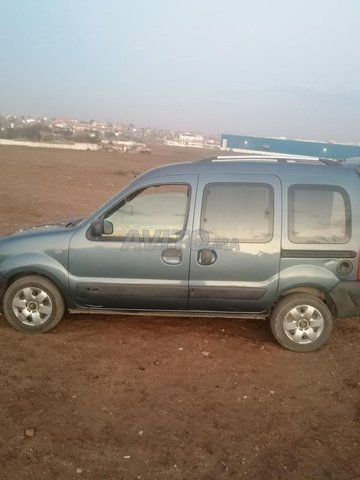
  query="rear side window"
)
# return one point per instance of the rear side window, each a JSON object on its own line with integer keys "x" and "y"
{"x": 319, "y": 214}
{"x": 242, "y": 211}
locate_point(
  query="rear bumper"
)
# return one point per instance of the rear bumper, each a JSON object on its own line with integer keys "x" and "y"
{"x": 346, "y": 296}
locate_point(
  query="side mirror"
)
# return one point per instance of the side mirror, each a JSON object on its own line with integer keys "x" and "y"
{"x": 97, "y": 227}
{"x": 100, "y": 227}
{"x": 108, "y": 227}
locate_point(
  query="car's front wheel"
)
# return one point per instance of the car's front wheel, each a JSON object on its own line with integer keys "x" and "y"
{"x": 33, "y": 304}
{"x": 300, "y": 322}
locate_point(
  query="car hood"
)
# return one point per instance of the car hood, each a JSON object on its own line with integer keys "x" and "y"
{"x": 52, "y": 225}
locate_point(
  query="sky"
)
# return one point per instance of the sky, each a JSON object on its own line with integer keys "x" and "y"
{"x": 254, "y": 67}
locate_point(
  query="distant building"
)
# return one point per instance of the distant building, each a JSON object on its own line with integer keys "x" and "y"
{"x": 191, "y": 140}
{"x": 270, "y": 145}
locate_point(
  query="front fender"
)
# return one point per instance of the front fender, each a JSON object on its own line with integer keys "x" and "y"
{"x": 37, "y": 263}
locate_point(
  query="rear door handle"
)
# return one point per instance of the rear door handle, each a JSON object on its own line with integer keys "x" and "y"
{"x": 206, "y": 257}
{"x": 172, "y": 256}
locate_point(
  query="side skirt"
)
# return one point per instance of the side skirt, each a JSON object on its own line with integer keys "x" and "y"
{"x": 173, "y": 313}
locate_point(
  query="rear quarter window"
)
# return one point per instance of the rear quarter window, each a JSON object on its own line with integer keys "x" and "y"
{"x": 319, "y": 214}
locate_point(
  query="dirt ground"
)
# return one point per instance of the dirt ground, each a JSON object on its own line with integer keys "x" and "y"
{"x": 127, "y": 397}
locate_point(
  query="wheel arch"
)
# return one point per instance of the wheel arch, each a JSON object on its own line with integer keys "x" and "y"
{"x": 43, "y": 265}
{"x": 315, "y": 292}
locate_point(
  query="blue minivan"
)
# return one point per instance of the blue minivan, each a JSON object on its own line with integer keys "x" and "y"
{"x": 257, "y": 237}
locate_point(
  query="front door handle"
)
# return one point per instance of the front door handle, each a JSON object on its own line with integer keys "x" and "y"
{"x": 206, "y": 257}
{"x": 172, "y": 256}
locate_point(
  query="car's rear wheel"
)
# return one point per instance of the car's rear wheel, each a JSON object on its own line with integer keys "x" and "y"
{"x": 33, "y": 304}
{"x": 302, "y": 323}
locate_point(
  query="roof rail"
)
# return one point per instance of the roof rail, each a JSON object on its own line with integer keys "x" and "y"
{"x": 271, "y": 158}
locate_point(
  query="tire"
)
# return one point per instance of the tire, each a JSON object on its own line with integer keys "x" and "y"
{"x": 33, "y": 304}
{"x": 301, "y": 323}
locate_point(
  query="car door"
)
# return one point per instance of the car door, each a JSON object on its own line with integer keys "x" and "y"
{"x": 236, "y": 250}
{"x": 142, "y": 261}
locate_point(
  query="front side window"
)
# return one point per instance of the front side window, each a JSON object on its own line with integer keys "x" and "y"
{"x": 242, "y": 211}
{"x": 319, "y": 214}
{"x": 155, "y": 213}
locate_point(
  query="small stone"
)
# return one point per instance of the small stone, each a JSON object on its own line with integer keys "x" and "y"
{"x": 141, "y": 432}
{"x": 29, "y": 432}
{"x": 79, "y": 470}
{"x": 206, "y": 354}
{"x": 181, "y": 349}
{"x": 226, "y": 468}
{"x": 127, "y": 457}
{"x": 272, "y": 392}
